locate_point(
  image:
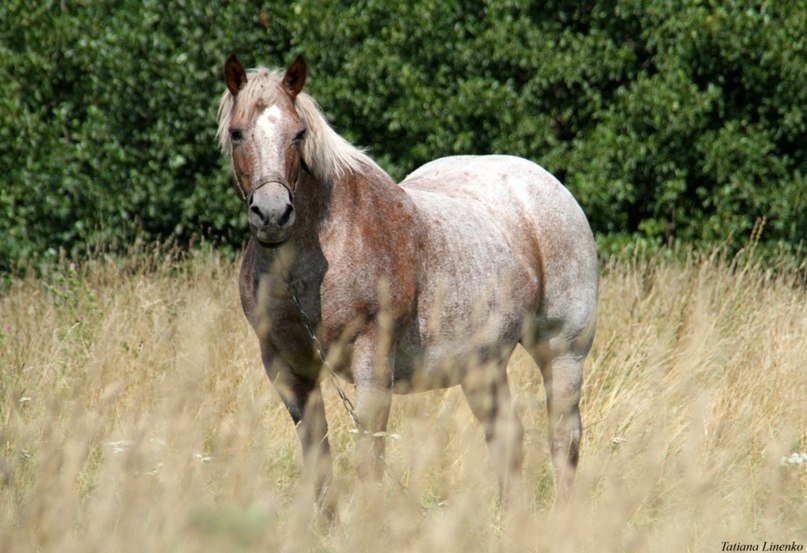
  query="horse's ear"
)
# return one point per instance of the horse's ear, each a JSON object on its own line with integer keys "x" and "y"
{"x": 234, "y": 75}
{"x": 294, "y": 79}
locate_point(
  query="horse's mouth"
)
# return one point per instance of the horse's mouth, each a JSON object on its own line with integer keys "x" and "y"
{"x": 272, "y": 245}
{"x": 271, "y": 239}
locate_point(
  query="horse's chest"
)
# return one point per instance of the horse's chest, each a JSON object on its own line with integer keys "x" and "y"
{"x": 285, "y": 328}
{"x": 302, "y": 329}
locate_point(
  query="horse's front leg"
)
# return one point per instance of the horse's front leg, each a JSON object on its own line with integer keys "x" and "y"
{"x": 371, "y": 366}
{"x": 303, "y": 399}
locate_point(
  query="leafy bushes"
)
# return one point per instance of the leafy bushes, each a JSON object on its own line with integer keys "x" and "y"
{"x": 109, "y": 124}
{"x": 669, "y": 123}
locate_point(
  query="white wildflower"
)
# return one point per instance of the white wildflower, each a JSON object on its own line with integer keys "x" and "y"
{"x": 119, "y": 445}
{"x": 202, "y": 458}
{"x": 794, "y": 459}
{"x": 391, "y": 435}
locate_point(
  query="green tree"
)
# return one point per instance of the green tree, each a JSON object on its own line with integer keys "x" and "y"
{"x": 680, "y": 121}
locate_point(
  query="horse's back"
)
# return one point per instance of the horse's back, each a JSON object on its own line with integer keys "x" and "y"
{"x": 529, "y": 213}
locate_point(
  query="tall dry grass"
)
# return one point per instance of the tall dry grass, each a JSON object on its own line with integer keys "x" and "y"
{"x": 136, "y": 417}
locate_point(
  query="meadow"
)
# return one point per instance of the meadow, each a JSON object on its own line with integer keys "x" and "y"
{"x": 135, "y": 416}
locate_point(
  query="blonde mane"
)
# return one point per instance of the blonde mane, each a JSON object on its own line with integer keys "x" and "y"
{"x": 327, "y": 154}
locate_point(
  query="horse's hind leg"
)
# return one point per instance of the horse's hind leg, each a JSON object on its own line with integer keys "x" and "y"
{"x": 488, "y": 395}
{"x": 563, "y": 377}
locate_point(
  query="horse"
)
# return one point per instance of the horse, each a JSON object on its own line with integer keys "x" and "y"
{"x": 398, "y": 288}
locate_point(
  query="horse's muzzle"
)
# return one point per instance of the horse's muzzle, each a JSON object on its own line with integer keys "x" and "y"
{"x": 271, "y": 213}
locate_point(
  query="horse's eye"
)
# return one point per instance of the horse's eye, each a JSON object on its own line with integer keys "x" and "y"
{"x": 236, "y": 135}
{"x": 299, "y": 136}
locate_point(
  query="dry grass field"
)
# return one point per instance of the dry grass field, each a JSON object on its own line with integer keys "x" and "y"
{"x": 135, "y": 416}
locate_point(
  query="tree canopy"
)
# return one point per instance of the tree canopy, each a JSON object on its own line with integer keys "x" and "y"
{"x": 669, "y": 121}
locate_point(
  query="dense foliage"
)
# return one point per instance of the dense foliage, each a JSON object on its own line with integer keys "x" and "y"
{"x": 670, "y": 121}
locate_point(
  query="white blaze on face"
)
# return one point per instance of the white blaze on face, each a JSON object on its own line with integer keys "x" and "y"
{"x": 269, "y": 117}
{"x": 267, "y": 134}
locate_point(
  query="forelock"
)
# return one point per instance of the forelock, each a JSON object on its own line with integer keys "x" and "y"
{"x": 326, "y": 153}
{"x": 263, "y": 88}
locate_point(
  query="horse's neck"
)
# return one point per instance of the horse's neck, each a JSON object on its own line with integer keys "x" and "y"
{"x": 360, "y": 198}
{"x": 345, "y": 228}
{"x": 327, "y": 213}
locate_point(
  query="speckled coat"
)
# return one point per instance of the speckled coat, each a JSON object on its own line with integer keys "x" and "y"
{"x": 428, "y": 283}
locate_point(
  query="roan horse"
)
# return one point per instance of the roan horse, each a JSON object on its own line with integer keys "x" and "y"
{"x": 422, "y": 285}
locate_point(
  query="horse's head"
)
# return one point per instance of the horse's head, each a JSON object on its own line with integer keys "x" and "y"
{"x": 264, "y": 133}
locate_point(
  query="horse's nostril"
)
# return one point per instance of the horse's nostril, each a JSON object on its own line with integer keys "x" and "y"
{"x": 257, "y": 211}
{"x": 286, "y": 215}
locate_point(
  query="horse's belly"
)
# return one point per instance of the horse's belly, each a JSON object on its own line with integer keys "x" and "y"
{"x": 474, "y": 292}
{"x": 418, "y": 369}
{"x": 437, "y": 349}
